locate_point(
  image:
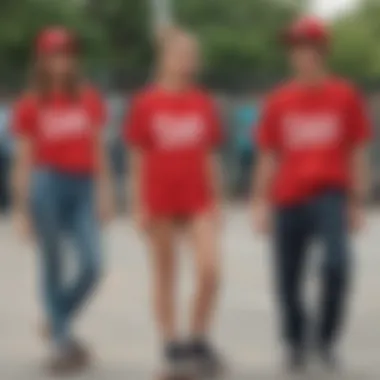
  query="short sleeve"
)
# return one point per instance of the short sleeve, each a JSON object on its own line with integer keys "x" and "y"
{"x": 24, "y": 118}
{"x": 135, "y": 123}
{"x": 358, "y": 119}
{"x": 266, "y": 131}
{"x": 214, "y": 124}
{"x": 98, "y": 109}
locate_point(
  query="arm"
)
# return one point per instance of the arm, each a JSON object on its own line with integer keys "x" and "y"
{"x": 103, "y": 174}
{"x": 20, "y": 179}
{"x": 360, "y": 183}
{"x": 360, "y": 174}
{"x": 136, "y": 137}
{"x": 360, "y": 133}
{"x": 20, "y": 184}
{"x": 135, "y": 169}
{"x": 105, "y": 194}
{"x": 262, "y": 176}
{"x": 262, "y": 180}
{"x": 215, "y": 139}
{"x": 215, "y": 175}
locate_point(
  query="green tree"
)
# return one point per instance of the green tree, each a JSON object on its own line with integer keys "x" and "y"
{"x": 356, "y": 50}
{"x": 21, "y": 21}
{"x": 240, "y": 35}
{"x": 126, "y": 31}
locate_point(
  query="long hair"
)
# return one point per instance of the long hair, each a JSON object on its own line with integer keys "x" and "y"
{"x": 166, "y": 35}
{"x": 40, "y": 81}
{"x": 164, "y": 38}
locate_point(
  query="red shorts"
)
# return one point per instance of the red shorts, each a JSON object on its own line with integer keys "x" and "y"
{"x": 176, "y": 199}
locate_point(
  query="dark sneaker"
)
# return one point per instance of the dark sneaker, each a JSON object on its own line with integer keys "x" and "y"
{"x": 65, "y": 364}
{"x": 328, "y": 358}
{"x": 205, "y": 361}
{"x": 80, "y": 352}
{"x": 72, "y": 359}
{"x": 296, "y": 361}
{"x": 176, "y": 362}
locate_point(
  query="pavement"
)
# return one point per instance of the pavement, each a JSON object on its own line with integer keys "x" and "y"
{"x": 118, "y": 323}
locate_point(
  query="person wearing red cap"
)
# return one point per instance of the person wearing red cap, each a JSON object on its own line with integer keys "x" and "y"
{"x": 173, "y": 130}
{"x": 312, "y": 182}
{"x": 61, "y": 184}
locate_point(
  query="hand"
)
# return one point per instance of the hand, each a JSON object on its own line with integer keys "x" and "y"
{"x": 140, "y": 218}
{"x": 216, "y": 213}
{"x": 105, "y": 206}
{"x": 356, "y": 216}
{"x": 22, "y": 224}
{"x": 261, "y": 215}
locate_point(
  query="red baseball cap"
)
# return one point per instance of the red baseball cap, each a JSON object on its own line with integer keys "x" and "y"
{"x": 306, "y": 30}
{"x": 55, "y": 39}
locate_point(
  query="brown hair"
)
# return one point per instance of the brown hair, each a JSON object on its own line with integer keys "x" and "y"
{"x": 40, "y": 81}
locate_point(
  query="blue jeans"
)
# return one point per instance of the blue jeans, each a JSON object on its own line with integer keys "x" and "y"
{"x": 323, "y": 218}
{"x": 63, "y": 206}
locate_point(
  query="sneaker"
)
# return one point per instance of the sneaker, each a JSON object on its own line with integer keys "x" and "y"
{"x": 65, "y": 362}
{"x": 176, "y": 362}
{"x": 328, "y": 358}
{"x": 80, "y": 351}
{"x": 204, "y": 359}
{"x": 296, "y": 361}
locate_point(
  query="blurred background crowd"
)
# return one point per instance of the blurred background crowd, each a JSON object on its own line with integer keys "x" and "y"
{"x": 243, "y": 61}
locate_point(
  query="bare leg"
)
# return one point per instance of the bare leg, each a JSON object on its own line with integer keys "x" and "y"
{"x": 161, "y": 235}
{"x": 204, "y": 236}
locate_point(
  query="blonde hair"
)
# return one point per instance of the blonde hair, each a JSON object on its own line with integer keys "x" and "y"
{"x": 165, "y": 39}
{"x": 166, "y": 35}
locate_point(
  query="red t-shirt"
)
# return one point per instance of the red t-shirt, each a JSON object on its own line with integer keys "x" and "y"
{"x": 312, "y": 130}
{"x": 62, "y": 129}
{"x": 175, "y": 132}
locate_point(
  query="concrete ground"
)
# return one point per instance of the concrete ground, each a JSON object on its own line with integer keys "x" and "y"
{"x": 118, "y": 324}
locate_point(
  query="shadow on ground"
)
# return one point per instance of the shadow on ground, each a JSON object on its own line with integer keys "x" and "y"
{"x": 34, "y": 373}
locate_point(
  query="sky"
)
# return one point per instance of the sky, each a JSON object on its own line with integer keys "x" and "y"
{"x": 331, "y": 8}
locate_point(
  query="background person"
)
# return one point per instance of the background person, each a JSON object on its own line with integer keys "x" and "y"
{"x": 61, "y": 185}
{"x": 245, "y": 120}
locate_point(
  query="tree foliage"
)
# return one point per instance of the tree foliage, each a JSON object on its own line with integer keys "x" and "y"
{"x": 356, "y": 50}
{"x": 239, "y": 37}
